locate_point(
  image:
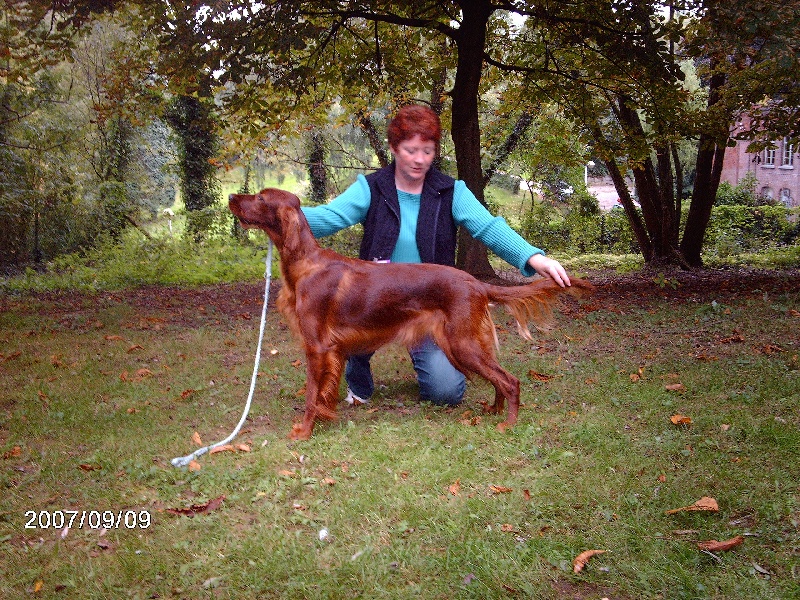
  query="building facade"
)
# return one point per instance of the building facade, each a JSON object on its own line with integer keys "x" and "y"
{"x": 777, "y": 170}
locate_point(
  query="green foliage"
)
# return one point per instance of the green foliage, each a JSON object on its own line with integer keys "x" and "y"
{"x": 742, "y": 194}
{"x": 135, "y": 261}
{"x": 579, "y": 231}
{"x": 736, "y": 228}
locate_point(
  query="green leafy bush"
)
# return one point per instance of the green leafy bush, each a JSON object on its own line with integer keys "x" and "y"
{"x": 736, "y": 228}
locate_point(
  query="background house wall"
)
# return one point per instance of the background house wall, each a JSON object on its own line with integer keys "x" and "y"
{"x": 777, "y": 170}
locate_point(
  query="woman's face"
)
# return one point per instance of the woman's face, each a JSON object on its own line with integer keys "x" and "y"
{"x": 413, "y": 158}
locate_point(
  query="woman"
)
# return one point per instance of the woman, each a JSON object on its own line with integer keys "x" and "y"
{"x": 411, "y": 212}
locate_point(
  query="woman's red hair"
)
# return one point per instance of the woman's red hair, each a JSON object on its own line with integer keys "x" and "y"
{"x": 411, "y": 120}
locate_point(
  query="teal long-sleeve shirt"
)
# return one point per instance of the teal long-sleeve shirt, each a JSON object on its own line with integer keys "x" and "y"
{"x": 351, "y": 207}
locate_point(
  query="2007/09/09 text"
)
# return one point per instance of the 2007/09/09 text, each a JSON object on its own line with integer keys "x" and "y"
{"x": 91, "y": 519}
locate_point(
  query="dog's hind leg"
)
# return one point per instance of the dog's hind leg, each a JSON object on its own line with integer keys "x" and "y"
{"x": 470, "y": 355}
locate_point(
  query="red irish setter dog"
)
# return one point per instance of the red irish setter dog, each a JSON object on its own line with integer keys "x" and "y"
{"x": 339, "y": 306}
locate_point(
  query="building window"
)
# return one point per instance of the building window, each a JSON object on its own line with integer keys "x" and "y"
{"x": 787, "y": 159}
{"x": 786, "y": 196}
{"x": 766, "y": 192}
{"x": 769, "y": 157}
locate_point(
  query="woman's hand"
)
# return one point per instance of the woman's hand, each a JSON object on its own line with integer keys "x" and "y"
{"x": 548, "y": 267}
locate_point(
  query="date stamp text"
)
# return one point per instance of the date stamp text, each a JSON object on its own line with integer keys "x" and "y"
{"x": 87, "y": 519}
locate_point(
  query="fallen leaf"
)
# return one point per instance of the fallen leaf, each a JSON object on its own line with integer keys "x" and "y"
{"x": 724, "y": 427}
{"x": 186, "y": 393}
{"x": 681, "y": 420}
{"x": 196, "y": 439}
{"x": 224, "y": 448}
{"x": 329, "y": 481}
{"x": 507, "y": 527}
{"x": 212, "y": 583}
{"x": 715, "y": 546}
{"x": 771, "y": 349}
{"x": 194, "y": 465}
{"x": 539, "y": 376}
{"x": 286, "y": 473}
{"x": 198, "y": 509}
{"x": 37, "y": 587}
{"x": 114, "y": 338}
{"x": 243, "y": 447}
{"x": 761, "y": 569}
{"x": 580, "y": 561}
{"x": 134, "y": 348}
{"x": 499, "y": 489}
{"x": 675, "y": 387}
{"x": 705, "y": 503}
{"x": 527, "y": 494}
{"x": 455, "y": 488}
{"x": 142, "y": 373}
{"x": 15, "y": 452}
{"x": 88, "y": 467}
{"x": 733, "y": 339}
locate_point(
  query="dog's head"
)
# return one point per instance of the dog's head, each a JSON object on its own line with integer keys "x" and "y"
{"x": 275, "y": 211}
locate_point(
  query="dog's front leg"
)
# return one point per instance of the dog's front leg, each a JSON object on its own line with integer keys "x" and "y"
{"x": 323, "y": 373}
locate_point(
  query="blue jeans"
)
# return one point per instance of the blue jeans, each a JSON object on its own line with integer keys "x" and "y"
{"x": 439, "y": 381}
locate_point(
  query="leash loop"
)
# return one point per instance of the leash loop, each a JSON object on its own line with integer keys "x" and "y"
{"x": 183, "y": 461}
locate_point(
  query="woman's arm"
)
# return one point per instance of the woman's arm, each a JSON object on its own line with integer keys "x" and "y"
{"x": 501, "y": 238}
{"x": 347, "y": 209}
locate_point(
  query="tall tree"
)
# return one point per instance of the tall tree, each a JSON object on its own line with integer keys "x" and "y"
{"x": 194, "y": 123}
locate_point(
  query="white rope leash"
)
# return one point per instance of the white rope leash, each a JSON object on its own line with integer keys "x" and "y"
{"x": 182, "y": 461}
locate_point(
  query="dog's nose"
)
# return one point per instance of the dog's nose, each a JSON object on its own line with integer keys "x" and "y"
{"x": 230, "y": 197}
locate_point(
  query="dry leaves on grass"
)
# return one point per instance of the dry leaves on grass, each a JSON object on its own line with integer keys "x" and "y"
{"x": 706, "y": 503}
{"x": 230, "y": 448}
{"x": 724, "y": 546}
{"x": 535, "y": 376}
{"x": 455, "y": 488}
{"x": 680, "y": 420}
{"x": 580, "y": 561}
{"x": 15, "y": 452}
{"x": 198, "y": 509}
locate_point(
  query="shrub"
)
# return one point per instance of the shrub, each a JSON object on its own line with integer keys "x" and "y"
{"x": 736, "y": 228}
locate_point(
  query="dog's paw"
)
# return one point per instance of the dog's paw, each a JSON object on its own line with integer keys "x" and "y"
{"x": 504, "y": 426}
{"x": 490, "y": 409}
{"x": 299, "y": 432}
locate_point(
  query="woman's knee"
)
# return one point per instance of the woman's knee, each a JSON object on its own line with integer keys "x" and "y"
{"x": 439, "y": 381}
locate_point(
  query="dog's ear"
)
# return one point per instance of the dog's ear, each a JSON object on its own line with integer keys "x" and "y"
{"x": 289, "y": 218}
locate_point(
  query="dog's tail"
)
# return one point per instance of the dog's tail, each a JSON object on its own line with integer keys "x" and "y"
{"x": 534, "y": 302}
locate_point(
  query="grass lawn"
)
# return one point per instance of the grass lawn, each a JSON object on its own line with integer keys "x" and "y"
{"x": 399, "y": 499}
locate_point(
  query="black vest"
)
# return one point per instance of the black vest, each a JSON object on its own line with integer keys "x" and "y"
{"x": 436, "y": 229}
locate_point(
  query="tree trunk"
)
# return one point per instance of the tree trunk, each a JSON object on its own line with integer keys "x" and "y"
{"x": 625, "y": 199}
{"x": 710, "y": 154}
{"x": 368, "y": 127}
{"x": 317, "y": 172}
{"x": 472, "y": 255}
{"x": 656, "y": 192}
